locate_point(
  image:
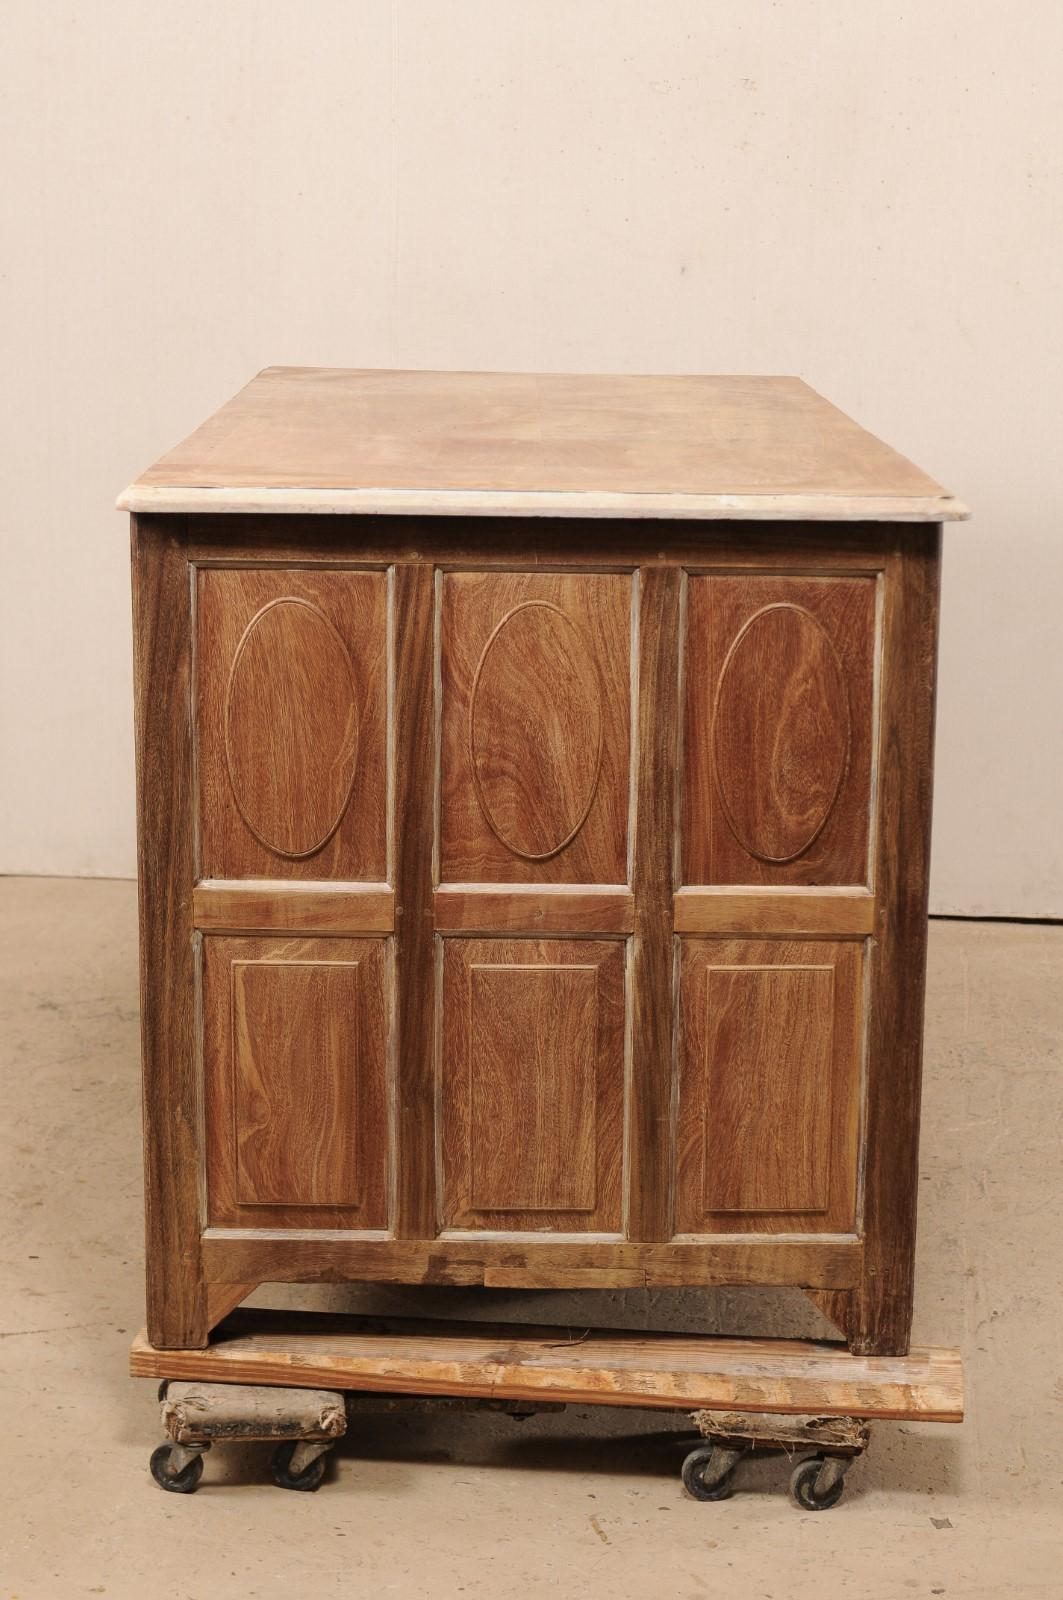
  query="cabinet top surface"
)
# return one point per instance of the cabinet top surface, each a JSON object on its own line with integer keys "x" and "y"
{"x": 306, "y": 439}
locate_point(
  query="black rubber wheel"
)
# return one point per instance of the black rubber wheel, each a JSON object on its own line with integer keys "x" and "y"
{"x": 696, "y": 1481}
{"x": 308, "y": 1480}
{"x": 183, "y": 1482}
{"x": 803, "y": 1483}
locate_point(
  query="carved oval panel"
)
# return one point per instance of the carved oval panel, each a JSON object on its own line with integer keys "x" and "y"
{"x": 291, "y": 728}
{"x": 535, "y": 730}
{"x": 781, "y": 733}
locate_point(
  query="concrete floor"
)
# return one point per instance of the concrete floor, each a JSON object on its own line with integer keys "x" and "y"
{"x": 579, "y": 1504}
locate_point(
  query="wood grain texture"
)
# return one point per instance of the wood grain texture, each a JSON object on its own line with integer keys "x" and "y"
{"x": 291, "y": 710}
{"x": 532, "y": 1084}
{"x": 836, "y": 912}
{"x": 231, "y": 1255}
{"x": 535, "y": 760}
{"x": 222, "y": 905}
{"x": 225, "y": 1297}
{"x": 472, "y": 442}
{"x": 295, "y": 1038}
{"x": 882, "y": 1309}
{"x": 532, "y": 1123}
{"x": 295, "y": 1026}
{"x": 835, "y": 1305}
{"x": 414, "y": 945}
{"x": 162, "y": 686}
{"x": 665, "y": 1371}
{"x": 553, "y": 909}
{"x": 561, "y": 543}
{"x": 778, "y": 742}
{"x": 563, "y": 1278}
{"x": 591, "y": 505}
{"x": 773, "y": 910}
{"x": 768, "y": 1088}
{"x": 769, "y": 1035}
{"x": 650, "y": 1154}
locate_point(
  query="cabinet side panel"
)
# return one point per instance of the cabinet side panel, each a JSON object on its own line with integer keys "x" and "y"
{"x": 882, "y": 1309}
{"x": 162, "y": 642}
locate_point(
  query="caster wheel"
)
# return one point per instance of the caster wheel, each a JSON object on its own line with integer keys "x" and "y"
{"x": 306, "y": 1480}
{"x": 699, "y": 1481}
{"x": 183, "y": 1482}
{"x": 803, "y": 1486}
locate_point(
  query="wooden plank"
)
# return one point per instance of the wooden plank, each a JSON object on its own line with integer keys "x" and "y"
{"x": 284, "y": 1256}
{"x": 414, "y": 831}
{"x": 535, "y": 910}
{"x": 310, "y": 439}
{"x": 784, "y": 912}
{"x": 162, "y": 682}
{"x": 881, "y": 1311}
{"x": 649, "y": 1200}
{"x": 662, "y": 1371}
{"x": 225, "y": 905}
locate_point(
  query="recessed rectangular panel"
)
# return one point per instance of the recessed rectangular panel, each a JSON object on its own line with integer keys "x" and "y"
{"x": 291, "y": 723}
{"x": 769, "y": 1067}
{"x": 532, "y": 1084}
{"x": 294, "y": 1055}
{"x": 768, "y": 1047}
{"x": 533, "y": 1041}
{"x": 778, "y": 730}
{"x": 295, "y": 1082}
{"x": 536, "y": 727}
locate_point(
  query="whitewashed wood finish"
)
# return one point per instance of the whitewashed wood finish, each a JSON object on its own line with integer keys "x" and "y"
{"x": 304, "y": 439}
{"x": 500, "y": 503}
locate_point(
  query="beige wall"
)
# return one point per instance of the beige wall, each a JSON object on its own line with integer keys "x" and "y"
{"x": 867, "y": 195}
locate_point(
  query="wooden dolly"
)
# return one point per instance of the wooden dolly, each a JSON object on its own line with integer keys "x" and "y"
{"x": 296, "y": 1378}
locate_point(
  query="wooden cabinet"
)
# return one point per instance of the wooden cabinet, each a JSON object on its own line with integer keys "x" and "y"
{"x": 534, "y": 792}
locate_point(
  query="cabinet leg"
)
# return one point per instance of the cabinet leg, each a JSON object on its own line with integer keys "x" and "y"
{"x": 180, "y": 1322}
{"x": 879, "y": 1324}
